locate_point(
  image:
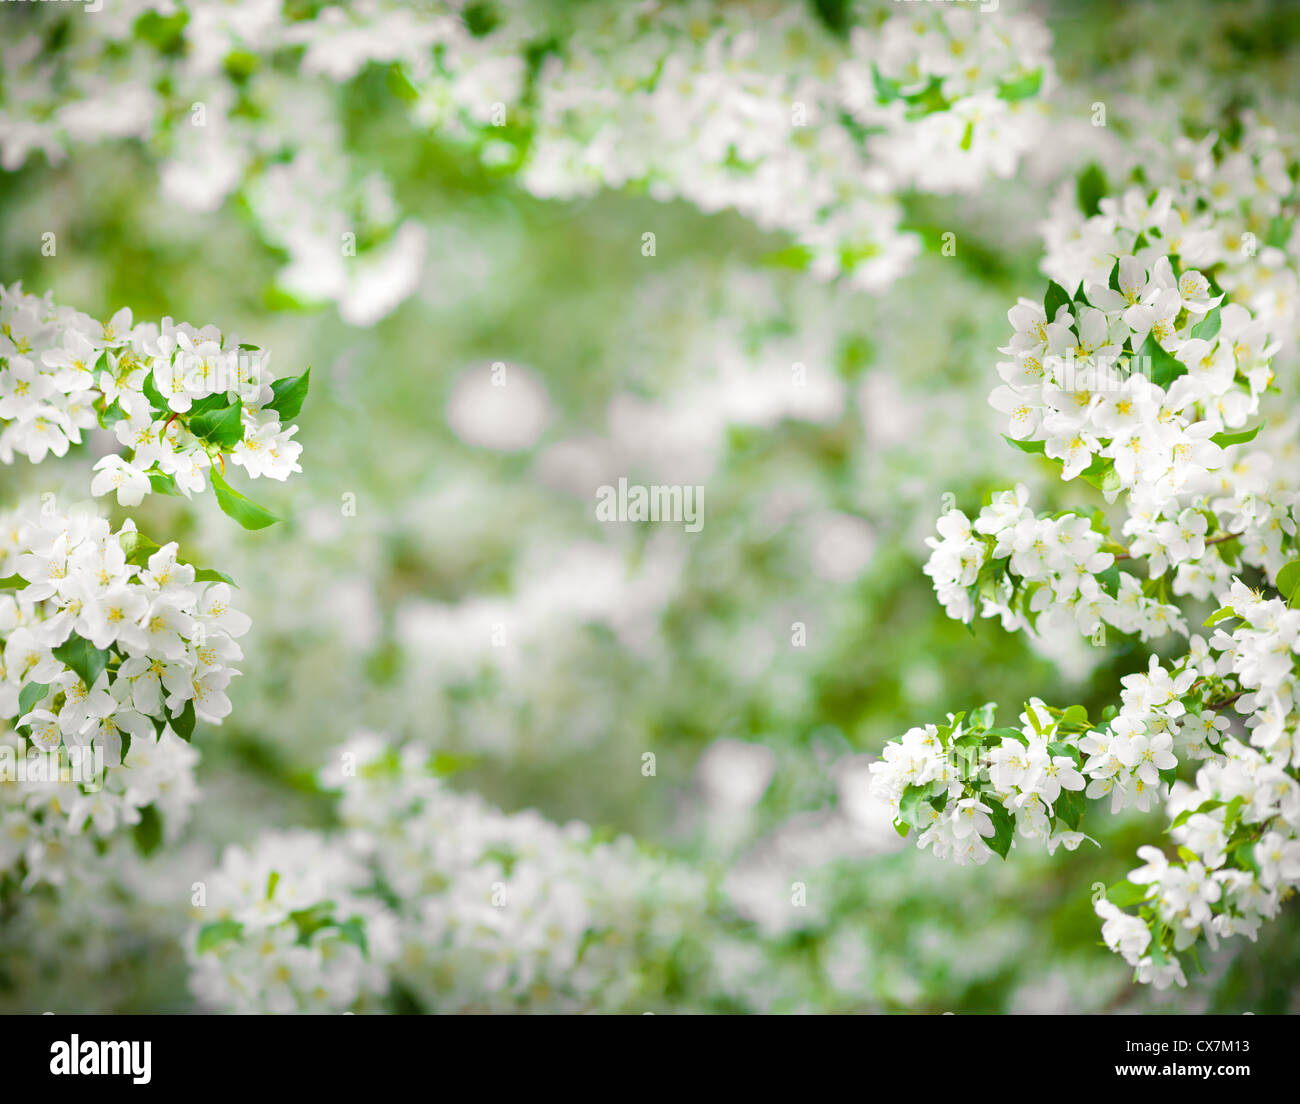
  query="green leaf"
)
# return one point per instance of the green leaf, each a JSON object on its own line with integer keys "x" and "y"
{"x": 212, "y": 575}
{"x": 1026, "y": 603}
{"x": 289, "y": 395}
{"x": 1243, "y": 855}
{"x": 353, "y": 930}
{"x": 83, "y": 657}
{"x": 990, "y": 574}
{"x": 1056, "y": 298}
{"x": 1091, "y": 189}
{"x": 1230, "y": 551}
{"x": 1004, "y": 826}
{"x": 1075, "y": 715}
{"x": 151, "y": 392}
{"x": 244, "y": 510}
{"x": 222, "y": 427}
{"x": 399, "y": 84}
{"x": 110, "y": 416}
{"x": 32, "y": 693}
{"x": 218, "y": 400}
{"x": 928, "y": 100}
{"x": 1288, "y": 580}
{"x": 1059, "y": 747}
{"x": 1126, "y": 894}
{"x": 886, "y": 90}
{"x": 166, "y": 33}
{"x": 13, "y": 582}
{"x": 214, "y": 934}
{"x": 1231, "y": 812}
{"x": 1241, "y": 437}
{"x": 1022, "y": 87}
{"x": 138, "y": 548}
{"x": 796, "y": 257}
{"x": 1070, "y": 807}
{"x": 1031, "y": 714}
{"x": 1031, "y": 447}
{"x": 1164, "y": 368}
{"x": 443, "y": 763}
{"x": 1100, "y": 472}
{"x": 125, "y": 738}
{"x": 1186, "y": 815}
{"x": 162, "y": 483}
{"x": 909, "y": 804}
{"x": 183, "y": 722}
{"x": 1208, "y": 326}
{"x": 1218, "y": 615}
{"x": 239, "y": 65}
{"x": 1108, "y": 580}
{"x": 148, "y": 832}
{"x": 310, "y": 920}
{"x": 1005, "y": 734}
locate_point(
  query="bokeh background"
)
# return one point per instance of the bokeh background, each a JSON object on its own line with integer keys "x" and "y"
{"x": 441, "y": 575}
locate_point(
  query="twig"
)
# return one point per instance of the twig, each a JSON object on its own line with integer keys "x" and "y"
{"x": 1225, "y": 702}
{"x": 1127, "y": 555}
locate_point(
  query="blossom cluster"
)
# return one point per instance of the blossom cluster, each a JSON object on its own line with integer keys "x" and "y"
{"x": 118, "y": 632}
{"x": 503, "y": 912}
{"x": 489, "y": 911}
{"x": 1225, "y": 196}
{"x": 59, "y": 810}
{"x": 970, "y": 788}
{"x": 196, "y": 82}
{"x": 1044, "y": 574}
{"x": 1237, "y": 830}
{"x": 287, "y": 925}
{"x": 1144, "y": 386}
{"x": 113, "y": 648}
{"x": 177, "y": 399}
{"x": 1142, "y": 382}
{"x": 760, "y": 107}
{"x": 1061, "y": 573}
{"x": 953, "y": 96}
{"x": 1135, "y": 382}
